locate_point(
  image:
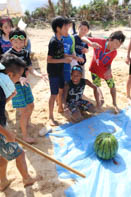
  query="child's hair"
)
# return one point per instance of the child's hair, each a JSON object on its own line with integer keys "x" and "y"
{"x": 85, "y": 23}
{"x": 17, "y": 32}
{"x": 5, "y": 20}
{"x": 58, "y": 21}
{"x": 12, "y": 63}
{"x": 67, "y": 21}
{"x": 118, "y": 35}
{"x": 77, "y": 67}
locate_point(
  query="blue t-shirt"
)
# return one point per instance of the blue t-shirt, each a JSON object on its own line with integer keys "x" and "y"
{"x": 79, "y": 45}
{"x": 5, "y": 45}
{"x": 68, "y": 49}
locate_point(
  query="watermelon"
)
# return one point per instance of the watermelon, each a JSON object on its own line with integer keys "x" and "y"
{"x": 106, "y": 146}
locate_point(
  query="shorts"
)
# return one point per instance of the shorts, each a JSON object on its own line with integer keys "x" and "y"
{"x": 130, "y": 69}
{"x": 23, "y": 97}
{"x": 56, "y": 83}
{"x": 9, "y": 150}
{"x": 82, "y": 105}
{"x": 67, "y": 73}
{"x": 97, "y": 81}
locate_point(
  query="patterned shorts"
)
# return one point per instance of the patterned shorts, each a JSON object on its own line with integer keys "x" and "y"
{"x": 97, "y": 81}
{"x": 9, "y": 150}
{"x": 23, "y": 97}
{"x": 82, "y": 105}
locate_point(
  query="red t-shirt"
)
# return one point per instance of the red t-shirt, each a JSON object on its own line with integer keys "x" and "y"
{"x": 102, "y": 58}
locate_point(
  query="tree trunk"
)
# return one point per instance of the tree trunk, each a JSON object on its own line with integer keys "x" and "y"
{"x": 51, "y": 8}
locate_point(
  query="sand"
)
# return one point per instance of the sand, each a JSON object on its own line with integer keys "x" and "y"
{"x": 49, "y": 184}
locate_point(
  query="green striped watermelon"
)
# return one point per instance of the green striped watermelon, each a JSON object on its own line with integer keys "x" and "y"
{"x": 106, "y": 146}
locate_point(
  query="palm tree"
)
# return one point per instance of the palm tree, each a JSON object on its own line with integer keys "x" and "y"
{"x": 52, "y": 10}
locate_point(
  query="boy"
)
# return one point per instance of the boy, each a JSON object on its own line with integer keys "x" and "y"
{"x": 24, "y": 99}
{"x": 73, "y": 92}
{"x": 101, "y": 63}
{"x": 128, "y": 61}
{"x": 81, "y": 48}
{"x": 55, "y": 65}
{"x": 11, "y": 68}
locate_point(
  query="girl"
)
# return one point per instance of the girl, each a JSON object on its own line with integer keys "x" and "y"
{"x": 5, "y": 27}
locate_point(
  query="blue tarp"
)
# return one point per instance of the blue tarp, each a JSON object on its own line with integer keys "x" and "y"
{"x": 73, "y": 145}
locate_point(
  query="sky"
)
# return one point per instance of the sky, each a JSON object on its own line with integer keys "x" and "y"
{"x": 33, "y": 4}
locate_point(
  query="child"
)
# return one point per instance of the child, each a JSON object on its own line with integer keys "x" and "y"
{"x": 73, "y": 92}
{"x": 5, "y": 27}
{"x": 55, "y": 65}
{"x": 24, "y": 99}
{"x": 81, "y": 48}
{"x": 11, "y": 68}
{"x": 128, "y": 61}
{"x": 101, "y": 63}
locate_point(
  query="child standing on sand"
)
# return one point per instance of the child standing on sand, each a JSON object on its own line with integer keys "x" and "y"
{"x": 11, "y": 68}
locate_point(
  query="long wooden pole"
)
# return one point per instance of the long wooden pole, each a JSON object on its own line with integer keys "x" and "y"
{"x": 34, "y": 149}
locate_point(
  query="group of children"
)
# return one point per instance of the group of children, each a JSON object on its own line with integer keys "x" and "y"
{"x": 66, "y": 73}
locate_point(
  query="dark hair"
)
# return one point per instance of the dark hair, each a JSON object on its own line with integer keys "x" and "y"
{"x": 85, "y": 23}
{"x": 67, "y": 21}
{"x": 118, "y": 35}
{"x": 5, "y": 20}
{"x": 77, "y": 67}
{"x": 12, "y": 63}
{"x": 17, "y": 32}
{"x": 58, "y": 21}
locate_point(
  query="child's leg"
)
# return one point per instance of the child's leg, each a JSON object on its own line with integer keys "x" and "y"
{"x": 85, "y": 105}
{"x": 77, "y": 116}
{"x": 51, "y": 109}
{"x": 60, "y": 97}
{"x": 24, "y": 117}
{"x": 97, "y": 81}
{"x": 128, "y": 87}
{"x": 4, "y": 183}
{"x": 30, "y": 108}
{"x": 111, "y": 85}
{"x": 22, "y": 167}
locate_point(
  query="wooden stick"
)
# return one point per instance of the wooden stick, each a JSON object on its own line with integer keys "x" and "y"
{"x": 34, "y": 149}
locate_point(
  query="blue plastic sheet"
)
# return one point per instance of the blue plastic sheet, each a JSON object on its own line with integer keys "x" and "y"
{"x": 73, "y": 144}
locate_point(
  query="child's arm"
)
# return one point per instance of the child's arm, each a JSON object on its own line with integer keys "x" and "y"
{"x": 128, "y": 53}
{"x": 73, "y": 56}
{"x": 92, "y": 44}
{"x": 96, "y": 91}
{"x": 10, "y": 137}
{"x": 51, "y": 60}
{"x": 36, "y": 73}
{"x": 10, "y": 97}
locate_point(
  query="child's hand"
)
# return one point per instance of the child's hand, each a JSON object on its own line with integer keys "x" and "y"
{"x": 84, "y": 50}
{"x": 80, "y": 59}
{"x": 24, "y": 81}
{"x": 68, "y": 60}
{"x": 128, "y": 60}
{"x": 10, "y": 137}
{"x": 96, "y": 45}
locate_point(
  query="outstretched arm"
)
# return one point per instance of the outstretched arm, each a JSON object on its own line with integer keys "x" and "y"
{"x": 92, "y": 44}
{"x": 129, "y": 53}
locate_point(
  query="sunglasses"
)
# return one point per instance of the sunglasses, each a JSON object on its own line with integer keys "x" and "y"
{"x": 77, "y": 68}
{"x": 21, "y": 37}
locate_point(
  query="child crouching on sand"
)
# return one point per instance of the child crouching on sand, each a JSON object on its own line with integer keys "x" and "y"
{"x": 73, "y": 92}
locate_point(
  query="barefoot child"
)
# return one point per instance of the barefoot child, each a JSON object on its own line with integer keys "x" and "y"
{"x": 24, "y": 99}
{"x": 101, "y": 63}
{"x": 55, "y": 65}
{"x": 128, "y": 61}
{"x": 73, "y": 92}
{"x": 11, "y": 68}
{"x": 5, "y": 27}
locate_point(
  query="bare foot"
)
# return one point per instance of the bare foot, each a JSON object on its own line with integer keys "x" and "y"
{"x": 101, "y": 102}
{"x": 129, "y": 101}
{"x": 29, "y": 140}
{"x": 4, "y": 184}
{"x": 116, "y": 109}
{"x": 52, "y": 122}
{"x": 31, "y": 125}
{"x": 29, "y": 181}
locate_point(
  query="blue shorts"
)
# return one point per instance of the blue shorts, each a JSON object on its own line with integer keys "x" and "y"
{"x": 9, "y": 150}
{"x": 67, "y": 72}
{"x": 23, "y": 97}
{"x": 56, "y": 83}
